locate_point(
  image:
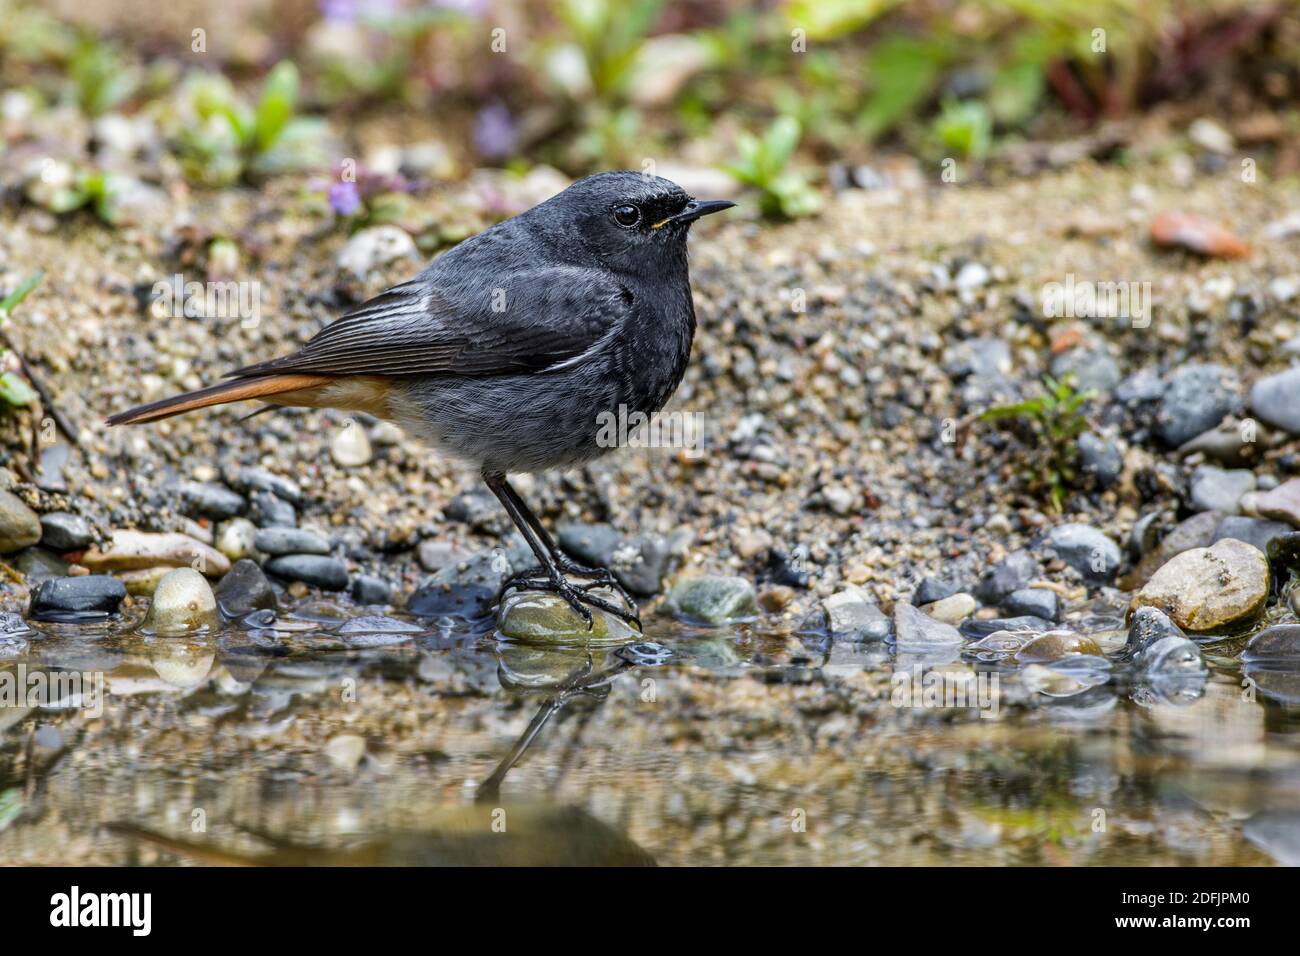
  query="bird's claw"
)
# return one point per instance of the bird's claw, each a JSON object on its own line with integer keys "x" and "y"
{"x": 577, "y": 596}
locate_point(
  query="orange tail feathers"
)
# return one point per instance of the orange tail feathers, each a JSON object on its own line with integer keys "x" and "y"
{"x": 239, "y": 390}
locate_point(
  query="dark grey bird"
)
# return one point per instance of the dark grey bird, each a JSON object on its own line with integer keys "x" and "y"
{"x": 509, "y": 350}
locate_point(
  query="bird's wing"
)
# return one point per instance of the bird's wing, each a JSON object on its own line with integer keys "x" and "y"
{"x": 535, "y": 320}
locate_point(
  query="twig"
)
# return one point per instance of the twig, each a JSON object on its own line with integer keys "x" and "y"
{"x": 47, "y": 399}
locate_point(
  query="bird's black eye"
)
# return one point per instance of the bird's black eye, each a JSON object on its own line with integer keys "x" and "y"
{"x": 627, "y": 215}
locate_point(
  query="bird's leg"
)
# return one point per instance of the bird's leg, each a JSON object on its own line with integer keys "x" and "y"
{"x": 550, "y": 575}
{"x": 600, "y": 577}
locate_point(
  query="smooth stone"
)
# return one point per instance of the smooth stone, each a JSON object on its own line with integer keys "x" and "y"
{"x": 1220, "y": 489}
{"x": 713, "y": 599}
{"x": 184, "y": 661}
{"x": 237, "y": 539}
{"x": 590, "y": 544}
{"x": 1054, "y": 645}
{"x": 467, "y": 590}
{"x": 350, "y": 446}
{"x": 1100, "y": 458}
{"x": 1035, "y": 602}
{"x": 37, "y": 564}
{"x": 852, "y": 616}
{"x": 370, "y": 590}
{"x": 1145, "y": 534}
{"x": 541, "y": 617}
{"x": 1143, "y": 387}
{"x": 436, "y": 555}
{"x": 249, "y": 480}
{"x": 1227, "y": 443}
{"x": 1254, "y": 531}
{"x": 1012, "y": 573}
{"x": 1148, "y": 625}
{"x": 281, "y": 540}
{"x": 951, "y": 610}
{"x": 326, "y": 573}
{"x": 479, "y": 510}
{"x": 1208, "y": 588}
{"x": 89, "y": 597}
{"x": 374, "y": 247}
{"x": 182, "y": 604}
{"x": 1197, "y": 399}
{"x": 268, "y": 510}
{"x": 641, "y": 562}
{"x": 346, "y": 751}
{"x": 1093, "y": 370}
{"x": 210, "y": 500}
{"x": 1277, "y": 833}
{"x": 1280, "y": 643}
{"x": 1282, "y": 503}
{"x": 20, "y": 527}
{"x": 1087, "y": 550}
{"x": 1276, "y": 400}
{"x": 933, "y": 589}
{"x": 62, "y": 531}
{"x": 244, "y": 589}
{"x": 915, "y": 630}
{"x": 129, "y": 550}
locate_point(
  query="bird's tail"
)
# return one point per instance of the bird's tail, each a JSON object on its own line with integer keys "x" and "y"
{"x": 238, "y": 390}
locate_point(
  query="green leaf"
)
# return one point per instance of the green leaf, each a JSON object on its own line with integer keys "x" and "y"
{"x": 276, "y": 107}
{"x": 12, "y": 300}
{"x": 904, "y": 72}
{"x": 15, "y": 390}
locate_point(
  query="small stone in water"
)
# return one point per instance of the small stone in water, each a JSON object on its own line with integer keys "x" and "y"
{"x": 713, "y": 599}
{"x": 541, "y": 617}
{"x": 326, "y": 573}
{"x": 951, "y": 610}
{"x": 915, "y": 630}
{"x": 182, "y": 603}
{"x": 1278, "y": 643}
{"x": 244, "y": 589}
{"x": 1036, "y": 602}
{"x": 92, "y": 597}
{"x": 852, "y": 616}
{"x": 370, "y": 590}
{"x": 1054, "y": 645}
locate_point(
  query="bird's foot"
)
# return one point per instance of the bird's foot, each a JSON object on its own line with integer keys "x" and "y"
{"x": 577, "y": 596}
{"x": 597, "y": 577}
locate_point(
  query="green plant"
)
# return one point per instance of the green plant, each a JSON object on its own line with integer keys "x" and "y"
{"x": 14, "y": 390}
{"x": 609, "y": 37}
{"x": 221, "y": 138}
{"x": 101, "y": 78}
{"x": 762, "y": 165}
{"x": 964, "y": 128}
{"x": 1057, "y": 420}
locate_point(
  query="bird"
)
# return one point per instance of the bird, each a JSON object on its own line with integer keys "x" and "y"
{"x": 509, "y": 349}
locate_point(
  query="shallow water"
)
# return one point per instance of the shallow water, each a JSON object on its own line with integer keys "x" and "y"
{"x": 335, "y": 737}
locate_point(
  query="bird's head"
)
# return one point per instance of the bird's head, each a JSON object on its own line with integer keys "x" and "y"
{"x": 631, "y": 221}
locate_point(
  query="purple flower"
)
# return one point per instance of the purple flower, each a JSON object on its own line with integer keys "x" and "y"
{"x": 344, "y": 198}
{"x": 494, "y": 132}
{"x": 344, "y": 10}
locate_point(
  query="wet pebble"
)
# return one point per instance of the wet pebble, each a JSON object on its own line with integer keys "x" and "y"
{"x": 36, "y": 564}
{"x": 128, "y": 550}
{"x": 436, "y": 555}
{"x": 1087, "y": 550}
{"x": 1208, "y": 588}
{"x": 541, "y": 617}
{"x": 63, "y": 531}
{"x": 250, "y": 480}
{"x": 283, "y": 540}
{"x": 933, "y": 589}
{"x": 326, "y": 573}
{"x": 1037, "y": 602}
{"x": 370, "y": 590}
{"x": 91, "y": 597}
{"x": 713, "y": 599}
{"x": 915, "y": 630}
{"x": 852, "y": 616}
{"x": 1279, "y": 644}
{"x": 467, "y": 590}
{"x": 1055, "y": 645}
{"x": 19, "y": 526}
{"x": 182, "y": 604}
{"x": 1282, "y": 503}
{"x": 244, "y": 589}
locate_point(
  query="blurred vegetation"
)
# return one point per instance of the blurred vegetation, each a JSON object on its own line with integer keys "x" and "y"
{"x": 770, "y": 92}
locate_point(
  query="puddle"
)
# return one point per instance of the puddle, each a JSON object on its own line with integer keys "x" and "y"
{"x": 332, "y": 735}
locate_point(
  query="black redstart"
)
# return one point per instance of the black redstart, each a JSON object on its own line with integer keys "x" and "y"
{"x": 509, "y": 349}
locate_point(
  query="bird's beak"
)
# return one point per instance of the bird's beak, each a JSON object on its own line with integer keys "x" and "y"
{"x": 695, "y": 209}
